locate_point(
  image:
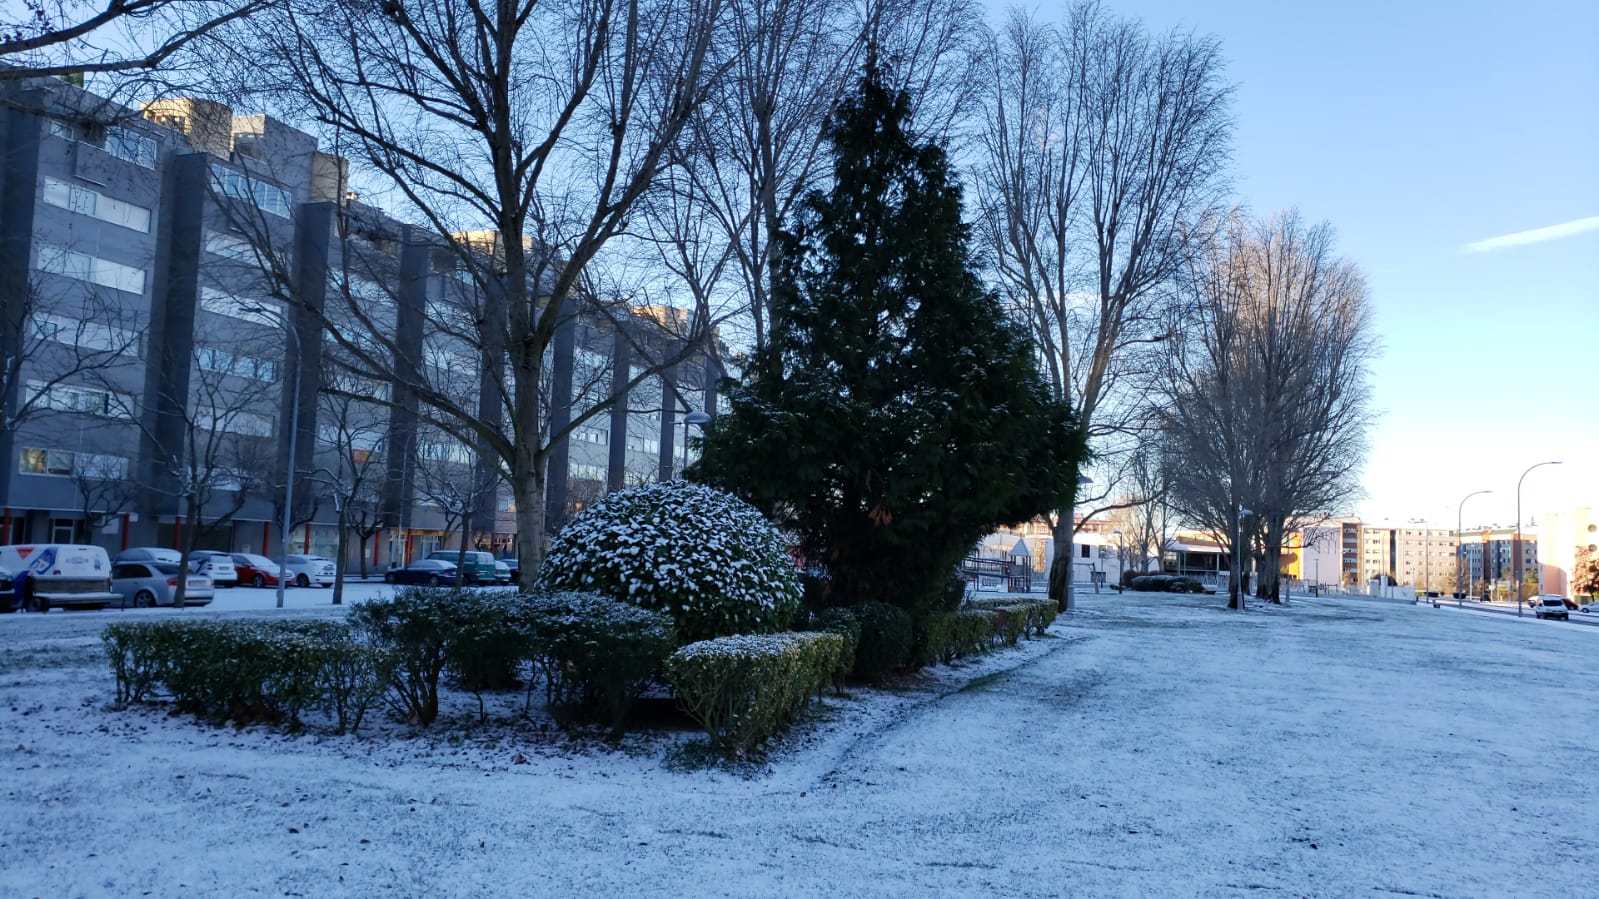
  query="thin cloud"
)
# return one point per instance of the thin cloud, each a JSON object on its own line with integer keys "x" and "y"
{"x": 1536, "y": 235}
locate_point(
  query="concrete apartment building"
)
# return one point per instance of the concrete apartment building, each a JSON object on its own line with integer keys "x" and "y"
{"x": 163, "y": 276}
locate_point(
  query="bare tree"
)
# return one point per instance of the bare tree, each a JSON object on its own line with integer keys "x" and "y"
{"x": 76, "y": 37}
{"x": 351, "y": 435}
{"x": 524, "y": 135}
{"x": 1268, "y": 398}
{"x": 449, "y": 479}
{"x": 1101, "y": 146}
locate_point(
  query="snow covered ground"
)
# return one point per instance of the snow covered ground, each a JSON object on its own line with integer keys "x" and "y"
{"x": 1150, "y": 745}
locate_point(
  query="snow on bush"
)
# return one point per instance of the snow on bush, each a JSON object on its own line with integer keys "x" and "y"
{"x": 703, "y": 556}
{"x": 745, "y": 689}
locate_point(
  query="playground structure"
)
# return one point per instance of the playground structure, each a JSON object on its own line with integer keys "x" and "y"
{"x": 1013, "y": 574}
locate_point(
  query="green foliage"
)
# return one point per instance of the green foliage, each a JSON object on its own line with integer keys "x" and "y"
{"x": 885, "y": 640}
{"x": 947, "y": 636}
{"x": 596, "y": 654}
{"x": 701, "y": 555}
{"x": 248, "y": 670}
{"x": 845, "y": 624}
{"x": 745, "y": 689}
{"x": 415, "y": 628}
{"x": 487, "y": 641}
{"x": 1014, "y": 618}
{"x": 1585, "y": 573}
{"x": 896, "y": 415}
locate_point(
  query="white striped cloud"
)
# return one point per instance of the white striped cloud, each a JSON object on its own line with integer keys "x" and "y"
{"x": 1536, "y": 235}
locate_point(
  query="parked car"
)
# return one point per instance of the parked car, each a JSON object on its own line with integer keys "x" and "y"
{"x": 479, "y": 565}
{"x": 306, "y": 570}
{"x": 502, "y": 572}
{"x": 145, "y": 585}
{"x": 148, "y": 554}
{"x": 429, "y": 571}
{"x": 257, "y": 571}
{"x": 515, "y": 564}
{"x": 1550, "y": 607}
{"x": 7, "y": 589}
{"x": 218, "y": 566}
{"x": 1589, "y": 607}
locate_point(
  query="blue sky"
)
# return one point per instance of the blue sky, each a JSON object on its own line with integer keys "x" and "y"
{"x": 1418, "y": 129}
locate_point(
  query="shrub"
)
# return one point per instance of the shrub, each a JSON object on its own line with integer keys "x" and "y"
{"x": 486, "y": 641}
{"x": 948, "y": 636}
{"x": 972, "y": 630}
{"x": 246, "y": 670}
{"x": 703, "y": 556}
{"x": 1037, "y": 614}
{"x": 744, "y": 689}
{"x": 138, "y": 655}
{"x": 885, "y": 639}
{"x": 415, "y": 629}
{"x": 596, "y": 654}
{"x": 846, "y": 625}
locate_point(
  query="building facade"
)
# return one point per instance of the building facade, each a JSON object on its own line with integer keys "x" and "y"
{"x": 173, "y": 279}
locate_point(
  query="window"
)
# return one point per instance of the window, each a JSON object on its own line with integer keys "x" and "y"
{"x": 239, "y": 186}
{"x": 123, "y": 143}
{"x": 587, "y": 472}
{"x": 262, "y": 311}
{"x": 230, "y": 246}
{"x": 226, "y": 421}
{"x": 63, "y": 530}
{"x": 63, "y": 463}
{"x": 254, "y": 367}
{"x": 86, "y": 335}
{"x": 591, "y": 435}
{"x": 93, "y": 269}
{"x": 92, "y": 203}
{"x": 86, "y": 400}
{"x": 1085, "y": 552}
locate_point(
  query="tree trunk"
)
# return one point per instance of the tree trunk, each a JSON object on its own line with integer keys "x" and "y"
{"x": 361, "y": 538}
{"x": 528, "y": 488}
{"x": 1060, "y": 566}
{"x": 338, "y": 571}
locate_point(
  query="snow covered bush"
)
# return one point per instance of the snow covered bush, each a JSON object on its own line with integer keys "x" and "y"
{"x": 415, "y": 628}
{"x": 596, "y": 654}
{"x": 703, "y": 556}
{"x": 1036, "y": 616}
{"x": 947, "y": 636}
{"x": 247, "y": 670}
{"x": 744, "y": 689}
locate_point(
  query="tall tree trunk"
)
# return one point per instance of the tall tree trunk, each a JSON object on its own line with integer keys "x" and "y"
{"x": 338, "y": 570}
{"x": 1060, "y": 566}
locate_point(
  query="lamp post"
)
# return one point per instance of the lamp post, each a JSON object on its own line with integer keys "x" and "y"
{"x": 1460, "y": 547}
{"x": 699, "y": 420}
{"x": 288, "y": 478}
{"x": 1238, "y": 552}
{"x": 1516, "y": 548}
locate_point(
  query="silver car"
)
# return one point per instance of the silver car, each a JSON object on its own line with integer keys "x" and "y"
{"x": 148, "y": 554}
{"x": 306, "y": 570}
{"x": 145, "y": 585}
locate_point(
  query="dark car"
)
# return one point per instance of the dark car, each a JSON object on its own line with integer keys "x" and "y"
{"x": 513, "y": 563}
{"x": 432, "y": 572}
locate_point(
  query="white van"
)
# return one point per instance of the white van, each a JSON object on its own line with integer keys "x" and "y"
{"x": 56, "y": 574}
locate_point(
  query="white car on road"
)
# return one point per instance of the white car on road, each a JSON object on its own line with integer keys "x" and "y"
{"x": 1550, "y": 607}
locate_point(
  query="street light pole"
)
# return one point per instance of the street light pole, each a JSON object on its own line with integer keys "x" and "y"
{"x": 1516, "y": 549}
{"x": 1460, "y": 546}
{"x": 698, "y": 419}
{"x": 288, "y": 479}
{"x": 1238, "y": 552}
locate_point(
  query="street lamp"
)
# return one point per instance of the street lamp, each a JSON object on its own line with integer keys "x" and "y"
{"x": 1516, "y": 548}
{"x": 1460, "y": 546}
{"x": 1238, "y": 552}
{"x": 699, "y": 420}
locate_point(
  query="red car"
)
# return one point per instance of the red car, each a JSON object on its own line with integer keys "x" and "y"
{"x": 257, "y": 571}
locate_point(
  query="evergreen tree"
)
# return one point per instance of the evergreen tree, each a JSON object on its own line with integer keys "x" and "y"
{"x": 896, "y": 415}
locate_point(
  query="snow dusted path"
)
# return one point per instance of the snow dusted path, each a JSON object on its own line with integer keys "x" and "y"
{"x": 1152, "y": 745}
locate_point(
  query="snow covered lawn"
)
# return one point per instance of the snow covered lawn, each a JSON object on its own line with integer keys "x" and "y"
{"x": 1150, "y": 745}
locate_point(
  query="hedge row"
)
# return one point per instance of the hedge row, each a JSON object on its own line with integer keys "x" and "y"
{"x": 743, "y": 690}
{"x": 595, "y": 656}
{"x": 249, "y": 670}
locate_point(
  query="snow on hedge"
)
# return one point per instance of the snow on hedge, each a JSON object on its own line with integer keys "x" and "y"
{"x": 705, "y": 557}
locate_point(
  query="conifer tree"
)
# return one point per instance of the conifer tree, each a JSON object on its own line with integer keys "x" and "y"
{"x": 896, "y": 415}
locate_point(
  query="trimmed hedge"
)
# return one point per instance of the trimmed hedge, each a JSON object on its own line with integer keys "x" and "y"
{"x": 248, "y": 670}
{"x": 416, "y": 627}
{"x": 949, "y": 636}
{"x": 743, "y": 690}
{"x": 1036, "y": 615}
{"x": 596, "y": 654}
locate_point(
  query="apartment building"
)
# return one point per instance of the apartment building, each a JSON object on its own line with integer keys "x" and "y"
{"x": 166, "y": 275}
